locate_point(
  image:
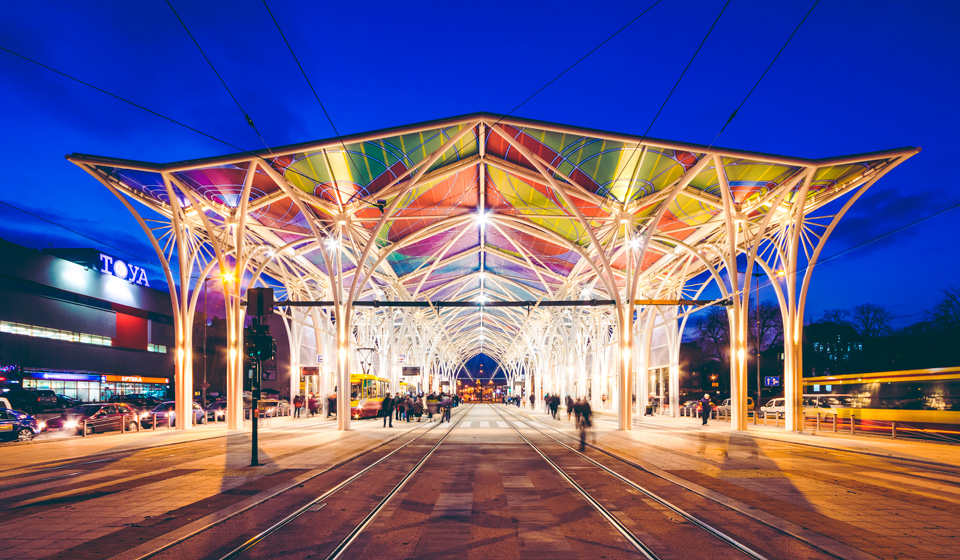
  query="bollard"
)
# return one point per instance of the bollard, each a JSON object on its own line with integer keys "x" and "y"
{"x": 833, "y": 420}
{"x": 893, "y": 430}
{"x": 776, "y": 416}
{"x": 83, "y": 427}
{"x": 853, "y": 424}
{"x": 818, "y": 421}
{"x": 154, "y": 425}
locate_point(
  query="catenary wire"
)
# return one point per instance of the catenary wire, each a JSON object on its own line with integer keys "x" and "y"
{"x": 675, "y": 85}
{"x": 769, "y": 66}
{"x": 312, "y": 89}
{"x": 246, "y": 115}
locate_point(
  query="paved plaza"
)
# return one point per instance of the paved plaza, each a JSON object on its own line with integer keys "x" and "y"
{"x": 484, "y": 492}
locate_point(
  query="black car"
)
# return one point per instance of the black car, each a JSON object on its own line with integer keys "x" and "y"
{"x": 63, "y": 401}
{"x": 32, "y": 400}
{"x": 95, "y": 417}
{"x": 15, "y": 424}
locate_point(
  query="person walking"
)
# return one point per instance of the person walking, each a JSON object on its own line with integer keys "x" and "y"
{"x": 433, "y": 404}
{"x": 312, "y": 403}
{"x": 407, "y": 407}
{"x": 554, "y": 406}
{"x": 297, "y": 405}
{"x": 447, "y": 403}
{"x": 532, "y": 400}
{"x": 418, "y": 407}
{"x": 586, "y": 414}
{"x": 569, "y": 404}
{"x": 386, "y": 410}
{"x": 706, "y": 407}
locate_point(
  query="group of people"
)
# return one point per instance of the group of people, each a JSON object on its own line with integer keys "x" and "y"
{"x": 579, "y": 408}
{"x": 311, "y": 402}
{"x": 406, "y": 406}
{"x": 515, "y": 400}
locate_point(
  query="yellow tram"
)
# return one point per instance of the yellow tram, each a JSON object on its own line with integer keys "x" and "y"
{"x": 366, "y": 394}
{"x": 922, "y": 402}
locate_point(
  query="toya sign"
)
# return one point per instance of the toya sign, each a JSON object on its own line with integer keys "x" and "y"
{"x": 129, "y": 272}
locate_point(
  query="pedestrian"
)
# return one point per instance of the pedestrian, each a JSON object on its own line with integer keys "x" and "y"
{"x": 532, "y": 400}
{"x": 297, "y": 405}
{"x": 555, "y": 406}
{"x": 418, "y": 407}
{"x": 386, "y": 411}
{"x": 447, "y": 403}
{"x": 705, "y": 407}
{"x": 433, "y": 404}
{"x": 407, "y": 407}
{"x": 398, "y": 406}
{"x": 585, "y": 422}
{"x": 331, "y": 404}
{"x": 569, "y": 404}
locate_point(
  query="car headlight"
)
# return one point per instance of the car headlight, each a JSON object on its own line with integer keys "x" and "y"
{"x": 42, "y": 425}
{"x": 144, "y": 414}
{"x": 70, "y": 424}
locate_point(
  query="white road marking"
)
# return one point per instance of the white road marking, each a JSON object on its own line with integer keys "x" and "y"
{"x": 466, "y": 424}
{"x": 502, "y": 424}
{"x": 484, "y": 424}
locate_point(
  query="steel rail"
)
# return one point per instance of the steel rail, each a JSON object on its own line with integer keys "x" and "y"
{"x": 905, "y": 461}
{"x": 259, "y": 537}
{"x": 620, "y": 527}
{"x": 342, "y": 547}
{"x": 662, "y": 501}
{"x": 259, "y": 502}
{"x": 702, "y": 495}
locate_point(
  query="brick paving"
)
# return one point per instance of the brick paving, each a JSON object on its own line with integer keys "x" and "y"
{"x": 122, "y": 496}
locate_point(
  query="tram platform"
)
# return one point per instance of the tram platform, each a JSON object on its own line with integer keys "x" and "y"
{"x": 496, "y": 482}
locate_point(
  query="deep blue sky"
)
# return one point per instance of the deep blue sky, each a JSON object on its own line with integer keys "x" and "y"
{"x": 859, "y": 76}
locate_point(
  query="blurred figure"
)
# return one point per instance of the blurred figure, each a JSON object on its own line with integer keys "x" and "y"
{"x": 584, "y": 421}
{"x": 386, "y": 410}
{"x": 297, "y": 405}
{"x": 569, "y": 403}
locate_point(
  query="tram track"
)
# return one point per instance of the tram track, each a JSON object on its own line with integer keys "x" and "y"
{"x": 906, "y": 462}
{"x": 645, "y": 550}
{"x": 839, "y": 554}
{"x": 314, "y": 504}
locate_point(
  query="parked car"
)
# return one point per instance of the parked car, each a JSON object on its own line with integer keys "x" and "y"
{"x": 141, "y": 402}
{"x": 775, "y": 406}
{"x": 31, "y": 400}
{"x": 18, "y": 425}
{"x": 165, "y": 415}
{"x": 725, "y": 407}
{"x": 96, "y": 417}
{"x": 691, "y": 406}
{"x": 217, "y": 410}
{"x": 63, "y": 401}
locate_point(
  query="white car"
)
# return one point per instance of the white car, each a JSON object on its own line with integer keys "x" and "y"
{"x": 4, "y": 403}
{"x": 724, "y": 407}
{"x": 775, "y": 406}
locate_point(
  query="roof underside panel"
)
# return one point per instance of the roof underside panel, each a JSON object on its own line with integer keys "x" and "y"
{"x": 553, "y": 198}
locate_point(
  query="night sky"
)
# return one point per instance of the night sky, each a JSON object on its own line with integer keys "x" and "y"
{"x": 859, "y": 76}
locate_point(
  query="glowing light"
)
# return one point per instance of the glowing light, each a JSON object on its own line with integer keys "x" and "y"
{"x": 233, "y": 354}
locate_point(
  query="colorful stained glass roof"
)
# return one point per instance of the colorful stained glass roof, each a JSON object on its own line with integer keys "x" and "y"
{"x": 484, "y": 207}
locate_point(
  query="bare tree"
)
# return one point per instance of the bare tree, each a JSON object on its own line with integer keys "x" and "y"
{"x": 872, "y": 320}
{"x": 836, "y": 316}
{"x": 945, "y": 315}
{"x": 713, "y": 330}
{"x": 771, "y": 325}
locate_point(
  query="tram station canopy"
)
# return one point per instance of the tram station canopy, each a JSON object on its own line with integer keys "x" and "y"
{"x": 483, "y": 207}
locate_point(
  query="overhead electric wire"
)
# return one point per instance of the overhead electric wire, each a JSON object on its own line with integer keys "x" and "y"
{"x": 310, "y": 84}
{"x": 769, "y": 66}
{"x": 75, "y": 232}
{"x": 675, "y": 85}
{"x": 582, "y": 58}
{"x": 219, "y": 77}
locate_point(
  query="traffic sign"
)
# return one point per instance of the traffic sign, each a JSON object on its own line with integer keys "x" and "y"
{"x": 771, "y": 381}
{"x": 319, "y": 358}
